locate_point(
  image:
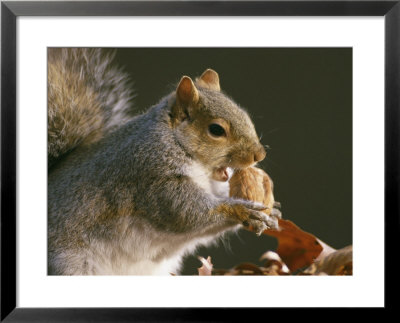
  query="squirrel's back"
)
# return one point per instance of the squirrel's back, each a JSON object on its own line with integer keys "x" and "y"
{"x": 88, "y": 98}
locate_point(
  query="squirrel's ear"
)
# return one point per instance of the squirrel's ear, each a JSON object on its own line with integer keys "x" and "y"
{"x": 210, "y": 80}
{"x": 186, "y": 96}
{"x": 186, "y": 92}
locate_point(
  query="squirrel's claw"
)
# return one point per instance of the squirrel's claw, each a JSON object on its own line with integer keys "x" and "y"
{"x": 259, "y": 227}
{"x": 276, "y": 210}
{"x": 277, "y": 205}
{"x": 276, "y": 213}
{"x": 256, "y": 206}
{"x": 260, "y": 221}
{"x": 249, "y": 214}
{"x": 271, "y": 221}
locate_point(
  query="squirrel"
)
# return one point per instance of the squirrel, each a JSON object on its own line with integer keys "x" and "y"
{"x": 132, "y": 194}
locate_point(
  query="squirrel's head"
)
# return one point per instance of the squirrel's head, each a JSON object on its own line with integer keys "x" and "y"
{"x": 212, "y": 128}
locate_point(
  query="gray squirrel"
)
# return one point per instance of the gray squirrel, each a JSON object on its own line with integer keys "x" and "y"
{"x": 131, "y": 195}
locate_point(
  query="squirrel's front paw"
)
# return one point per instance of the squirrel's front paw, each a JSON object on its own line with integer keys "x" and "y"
{"x": 249, "y": 214}
{"x": 261, "y": 221}
{"x": 276, "y": 210}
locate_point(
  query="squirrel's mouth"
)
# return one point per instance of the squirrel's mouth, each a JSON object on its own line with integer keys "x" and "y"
{"x": 222, "y": 174}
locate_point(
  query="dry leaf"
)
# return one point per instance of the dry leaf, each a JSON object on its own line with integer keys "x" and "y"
{"x": 273, "y": 267}
{"x": 326, "y": 250}
{"x": 247, "y": 269}
{"x": 274, "y": 264}
{"x": 206, "y": 268}
{"x": 339, "y": 262}
{"x": 296, "y": 247}
{"x": 241, "y": 269}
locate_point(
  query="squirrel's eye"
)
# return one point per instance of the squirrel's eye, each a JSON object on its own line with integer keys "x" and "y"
{"x": 216, "y": 130}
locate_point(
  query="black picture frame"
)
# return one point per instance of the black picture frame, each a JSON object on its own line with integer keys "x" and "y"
{"x": 10, "y": 10}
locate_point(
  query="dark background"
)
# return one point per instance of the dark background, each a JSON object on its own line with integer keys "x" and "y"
{"x": 300, "y": 100}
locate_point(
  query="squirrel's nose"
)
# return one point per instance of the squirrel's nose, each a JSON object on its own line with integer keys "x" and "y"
{"x": 259, "y": 154}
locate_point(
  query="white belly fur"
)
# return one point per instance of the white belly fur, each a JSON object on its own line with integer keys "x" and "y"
{"x": 162, "y": 254}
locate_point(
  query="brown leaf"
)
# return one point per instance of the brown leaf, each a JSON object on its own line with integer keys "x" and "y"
{"x": 296, "y": 247}
{"x": 272, "y": 268}
{"x": 339, "y": 262}
{"x": 206, "y": 268}
{"x": 274, "y": 263}
{"x": 248, "y": 269}
{"x": 326, "y": 250}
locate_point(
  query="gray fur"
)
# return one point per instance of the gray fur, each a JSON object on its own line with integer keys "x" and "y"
{"x": 88, "y": 98}
{"x": 129, "y": 202}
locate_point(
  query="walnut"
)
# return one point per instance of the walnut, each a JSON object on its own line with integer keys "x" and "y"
{"x": 253, "y": 184}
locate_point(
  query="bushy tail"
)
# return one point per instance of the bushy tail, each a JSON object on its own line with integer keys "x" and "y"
{"x": 87, "y": 97}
